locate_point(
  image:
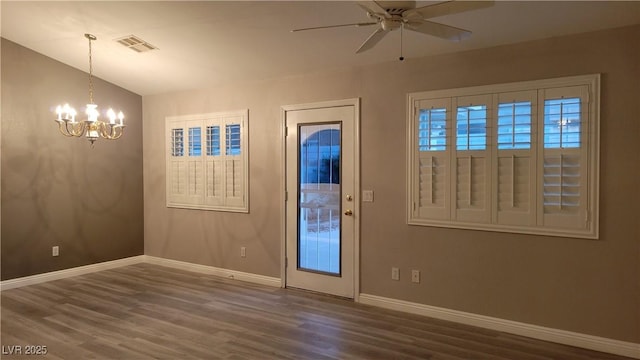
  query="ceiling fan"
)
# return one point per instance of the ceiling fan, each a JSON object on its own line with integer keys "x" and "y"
{"x": 392, "y": 15}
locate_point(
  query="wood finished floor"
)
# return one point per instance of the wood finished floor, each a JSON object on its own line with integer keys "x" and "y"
{"x": 147, "y": 311}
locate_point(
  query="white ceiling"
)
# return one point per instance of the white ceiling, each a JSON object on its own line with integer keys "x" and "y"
{"x": 204, "y": 44}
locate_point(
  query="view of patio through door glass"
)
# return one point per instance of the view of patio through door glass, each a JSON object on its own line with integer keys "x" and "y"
{"x": 319, "y": 199}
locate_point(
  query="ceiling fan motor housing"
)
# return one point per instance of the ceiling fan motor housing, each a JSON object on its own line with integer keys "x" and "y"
{"x": 391, "y": 24}
{"x": 396, "y": 7}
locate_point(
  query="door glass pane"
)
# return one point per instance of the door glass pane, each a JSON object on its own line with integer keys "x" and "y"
{"x": 319, "y": 199}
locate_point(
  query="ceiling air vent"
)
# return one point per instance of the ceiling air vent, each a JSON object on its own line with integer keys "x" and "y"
{"x": 136, "y": 44}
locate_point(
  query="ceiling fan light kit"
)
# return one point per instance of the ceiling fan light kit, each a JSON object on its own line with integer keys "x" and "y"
{"x": 392, "y": 15}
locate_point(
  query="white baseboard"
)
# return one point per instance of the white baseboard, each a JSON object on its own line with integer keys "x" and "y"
{"x": 81, "y": 270}
{"x": 226, "y": 273}
{"x": 513, "y": 327}
{"x": 66, "y": 273}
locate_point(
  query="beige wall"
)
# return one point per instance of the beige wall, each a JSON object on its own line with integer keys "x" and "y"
{"x": 586, "y": 286}
{"x": 58, "y": 190}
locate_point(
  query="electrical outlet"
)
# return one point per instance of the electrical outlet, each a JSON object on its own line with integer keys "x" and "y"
{"x": 243, "y": 251}
{"x": 55, "y": 251}
{"x": 395, "y": 273}
{"x": 415, "y": 276}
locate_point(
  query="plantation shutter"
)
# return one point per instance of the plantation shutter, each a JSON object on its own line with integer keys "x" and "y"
{"x": 515, "y": 158}
{"x": 234, "y": 179}
{"x": 195, "y": 173}
{"x": 519, "y": 157}
{"x": 433, "y": 176}
{"x": 471, "y": 170}
{"x": 564, "y": 162}
{"x": 207, "y": 161}
{"x": 214, "y": 163}
{"x": 177, "y": 182}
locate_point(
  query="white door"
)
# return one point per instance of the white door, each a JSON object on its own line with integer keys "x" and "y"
{"x": 321, "y": 206}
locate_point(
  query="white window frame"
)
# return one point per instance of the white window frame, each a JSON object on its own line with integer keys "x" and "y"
{"x": 208, "y": 181}
{"x": 439, "y": 168}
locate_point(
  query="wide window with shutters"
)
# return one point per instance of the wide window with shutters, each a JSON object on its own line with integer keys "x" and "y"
{"x": 519, "y": 157}
{"x": 207, "y": 161}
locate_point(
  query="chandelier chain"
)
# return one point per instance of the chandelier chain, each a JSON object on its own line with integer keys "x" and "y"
{"x": 90, "y": 74}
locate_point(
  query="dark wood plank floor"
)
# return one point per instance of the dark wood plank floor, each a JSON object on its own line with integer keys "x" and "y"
{"x": 146, "y": 311}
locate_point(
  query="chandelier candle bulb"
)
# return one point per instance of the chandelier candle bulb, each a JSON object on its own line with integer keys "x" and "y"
{"x": 112, "y": 116}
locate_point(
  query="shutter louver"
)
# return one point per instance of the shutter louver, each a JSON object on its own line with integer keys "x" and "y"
{"x": 471, "y": 183}
{"x": 196, "y": 181}
{"x": 561, "y": 184}
{"x": 514, "y": 203}
{"x": 214, "y": 182}
{"x": 513, "y": 184}
{"x": 234, "y": 179}
{"x": 471, "y": 189}
{"x": 433, "y": 185}
{"x": 178, "y": 178}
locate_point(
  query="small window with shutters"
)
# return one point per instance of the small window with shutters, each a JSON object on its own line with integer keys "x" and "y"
{"x": 207, "y": 161}
{"x": 519, "y": 157}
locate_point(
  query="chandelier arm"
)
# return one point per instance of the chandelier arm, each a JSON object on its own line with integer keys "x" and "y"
{"x": 62, "y": 126}
{"x": 105, "y": 131}
{"x": 73, "y": 129}
{"x": 111, "y": 131}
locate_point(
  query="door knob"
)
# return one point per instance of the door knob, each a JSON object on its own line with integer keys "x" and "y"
{"x": 348, "y": 212}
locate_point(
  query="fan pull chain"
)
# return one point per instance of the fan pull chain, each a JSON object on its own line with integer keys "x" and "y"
{"x": 401, "y": 58}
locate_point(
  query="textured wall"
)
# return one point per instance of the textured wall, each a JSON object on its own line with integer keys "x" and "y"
{"x": 586, "y": 286}
{"x": 58, "y": 190}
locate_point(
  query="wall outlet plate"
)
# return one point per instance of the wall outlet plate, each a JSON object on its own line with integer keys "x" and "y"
{"x": 395, "y": 273}
{"x": 415, "y": 276}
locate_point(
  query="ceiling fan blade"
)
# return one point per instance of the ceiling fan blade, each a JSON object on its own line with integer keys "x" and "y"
{"x": 373, "y": 7}
{"x": 439, "y": 30}
{"x": 372, "y": 40}
{"x": 335, "y": 26}
{"x": 445, "y": 8}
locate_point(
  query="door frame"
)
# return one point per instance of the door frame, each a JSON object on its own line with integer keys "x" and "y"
{"x": 355, "y": 102}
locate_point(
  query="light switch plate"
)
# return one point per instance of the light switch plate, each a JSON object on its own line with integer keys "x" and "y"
{"x": 367, "y": 195}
